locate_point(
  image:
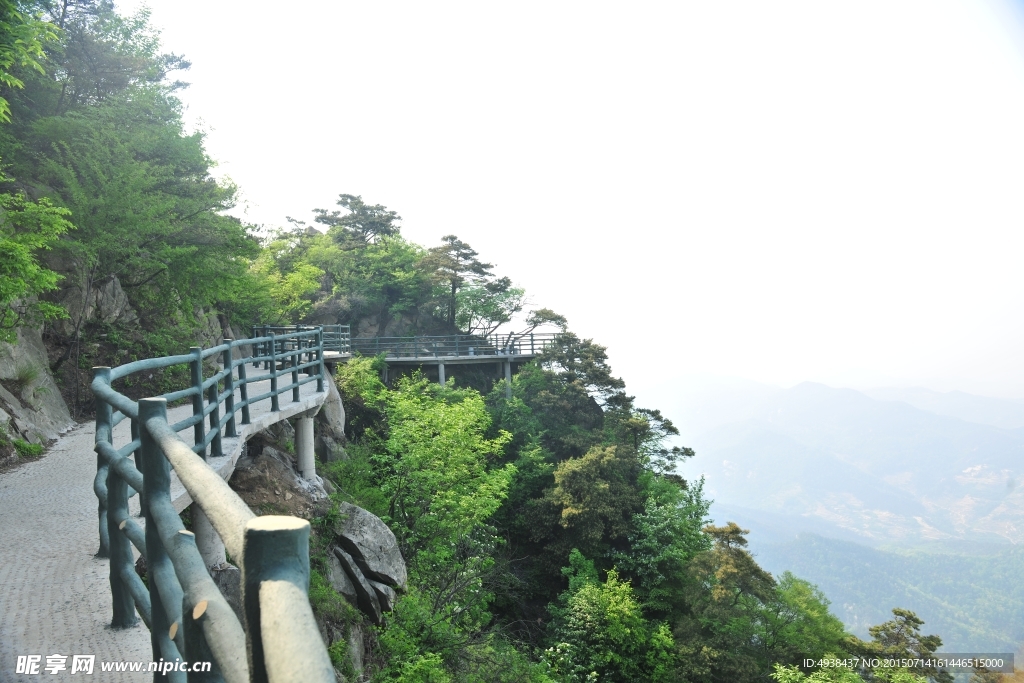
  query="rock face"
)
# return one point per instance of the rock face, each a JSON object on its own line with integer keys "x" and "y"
{"x": 31, "y": 406}
{"x": 228, "y": 578}
{"x": 269, "y": 482}
{"x": 367, "y": 555}
{"x": 104, "y": 301}
{"x": 339, "y": 578}
{"x": 328, "y": 449}
{"x": 332, "y": 413}
{"x": 370, "y": 541}
{"x": 366, "y": 596}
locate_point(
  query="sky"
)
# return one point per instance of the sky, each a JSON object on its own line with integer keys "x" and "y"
{"x": 786, "y": 191}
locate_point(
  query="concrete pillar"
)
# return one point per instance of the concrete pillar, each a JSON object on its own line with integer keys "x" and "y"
{"x": 440, "y": 374}
{"x": 211, "y": 548}
{"x": 304, "y": 446}
{"x": 508, "y": 379}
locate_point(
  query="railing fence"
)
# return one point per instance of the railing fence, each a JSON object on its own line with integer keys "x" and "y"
{"x": 188, "y": 617}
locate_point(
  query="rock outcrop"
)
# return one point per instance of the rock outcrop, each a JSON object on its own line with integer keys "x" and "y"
{"x": 374, "y": 547}
{"x": 367, "y": 555}
{"x": 103, "y": 301}
{"x": 31, "y": 407}
{"x": 269, "y": 483}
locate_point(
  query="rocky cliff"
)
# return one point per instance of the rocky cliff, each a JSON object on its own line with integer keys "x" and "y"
{"x": 31, "y": 407}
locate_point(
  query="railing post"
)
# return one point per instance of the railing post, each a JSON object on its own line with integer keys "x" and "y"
{"x": 196, "y": 647}
{"x": 532, "y": 352}
{"x": 295, "y": 356}
{"x": 276, "y": 552}
{"x": 229, "y": 387}
{"x": 103, "y": 433}
{"x": 320, "y": 360}
{"x": 274, "y": 403}
{"x": 156, "y": 479}
{"x": 196, "y": 366}
{"x": 216, "y": 450}
{"x": 243, "y": 392}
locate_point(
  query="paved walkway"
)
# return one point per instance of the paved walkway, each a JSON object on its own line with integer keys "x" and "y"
{"x": 54, "y": 592}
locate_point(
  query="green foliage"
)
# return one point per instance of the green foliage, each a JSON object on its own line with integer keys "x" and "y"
{"x": 28, "y": 450}
{"x": 434, "y": 464}
{"x": 23, "y": 35}
{"x": 97, "y": 131}
{"x": 26, "y": 228}
{"x": 597, "y": 495}
{"x": 663, "y": 540}
{"x": 798, "y": 623}
{"x": 791, "y": 674}
{"x": 601, "y": 634}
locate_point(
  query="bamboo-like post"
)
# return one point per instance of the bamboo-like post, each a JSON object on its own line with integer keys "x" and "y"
{"x": 104, "y": 432}
{"x": 274, "y": 403}
{"x": 119, "y": 548}
{"x": 196, "y": 367}
{"x": 243, "y": 392}
{"x": 281, "y": 634}
{"x": 320, "y": 360}
{"x": 216, "y": 449}
{"x": 229, "y": 386}
{"x": 164, "y": 592}
{"x": 296, "y": 356}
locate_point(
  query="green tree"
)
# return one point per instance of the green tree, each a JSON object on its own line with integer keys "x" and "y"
{"x": 664, "y": 538}
{"x": 901, "y": 637}
{"x": 23, "y": 35}
{"x": 721, "y": 627}
{"x": 454, "y": 265}
{"x": 26, "y": 227}
{"x": 600, "y": 633}
{"x": 361, "y": 221}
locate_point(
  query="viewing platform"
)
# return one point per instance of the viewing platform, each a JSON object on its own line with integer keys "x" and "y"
{"x": 505, "y": 350}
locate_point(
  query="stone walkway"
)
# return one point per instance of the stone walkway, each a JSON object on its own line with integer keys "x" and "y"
{"x": 54, "y": 592}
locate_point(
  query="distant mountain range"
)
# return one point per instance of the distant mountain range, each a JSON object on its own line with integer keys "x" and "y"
{"x": 865, "y": 469}
{"x": 883, "y": 498}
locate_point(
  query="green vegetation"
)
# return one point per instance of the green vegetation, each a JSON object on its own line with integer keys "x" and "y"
{"x": 547, "y": 536}
{"x": 28, "y": 450}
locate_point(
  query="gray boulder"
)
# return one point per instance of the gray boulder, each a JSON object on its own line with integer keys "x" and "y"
{"x": 228, "y": 578}
{"x": 328, "y": 450}
{"x": 332, "y": 414}
{"x": 37, "y": 411}
{"x": 366, "y": 596}
{"x": 386, "y": 595}
{"x": 372, "y": 544}
{"x": 340, "y": 579}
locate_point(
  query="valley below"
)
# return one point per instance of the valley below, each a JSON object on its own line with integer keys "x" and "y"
{"x": 879, "y": 502}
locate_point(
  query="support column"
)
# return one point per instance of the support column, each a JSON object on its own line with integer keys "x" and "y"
{"x": 440, "y": 374}
{"x": 304, "y": 446}
{"x": 211, "y": 548}
{"x": 508, "y": 379}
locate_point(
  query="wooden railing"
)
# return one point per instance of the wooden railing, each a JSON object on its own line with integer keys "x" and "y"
{"x": 187, "y": 615}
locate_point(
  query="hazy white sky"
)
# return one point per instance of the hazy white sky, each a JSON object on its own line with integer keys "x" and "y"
{"x": 781, "y": 191}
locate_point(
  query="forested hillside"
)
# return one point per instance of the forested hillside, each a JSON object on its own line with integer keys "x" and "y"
{"x": 548, "y": 535}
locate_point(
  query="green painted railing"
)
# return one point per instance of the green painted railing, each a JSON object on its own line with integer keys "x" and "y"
{"x": 335, "y": 337}
{"x": 187, "y": 615}
{"x": 501, "y": 347}
{"x": 338, "y": 338}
